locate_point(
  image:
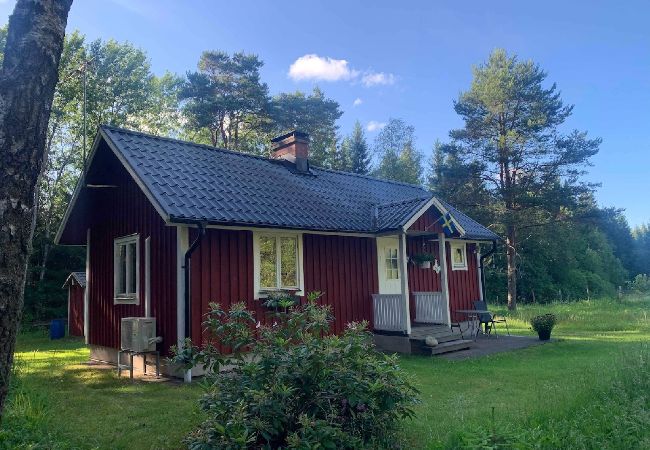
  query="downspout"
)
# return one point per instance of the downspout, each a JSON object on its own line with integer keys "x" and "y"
{"x": 186, "y": 267}
{"x": 482, "y": 267}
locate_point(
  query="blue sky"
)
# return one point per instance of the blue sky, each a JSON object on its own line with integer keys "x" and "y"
{"x": 411, "y": 59}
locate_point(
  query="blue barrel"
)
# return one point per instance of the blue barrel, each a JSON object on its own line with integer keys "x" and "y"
{"x": 57, "y": 329}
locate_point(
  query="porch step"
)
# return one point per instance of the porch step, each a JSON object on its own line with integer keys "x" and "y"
{"x": 450, "y": 346}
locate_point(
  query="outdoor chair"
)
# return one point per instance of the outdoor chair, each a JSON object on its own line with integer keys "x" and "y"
{"x": 489, "y": 320}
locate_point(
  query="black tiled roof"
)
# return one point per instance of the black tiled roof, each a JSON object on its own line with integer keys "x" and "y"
{"x": 79, "y": 277}
{"x": 192, "y": 182}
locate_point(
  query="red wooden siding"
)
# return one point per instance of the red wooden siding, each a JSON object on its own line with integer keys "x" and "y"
{"x": 117, "y": 212}
{"x": 76, "y": 318}
{"x": 428, "y": 222}
{"x": 463, "y": 284}
{"x": 344, "y": 269}
{"x": 221, "y": 271}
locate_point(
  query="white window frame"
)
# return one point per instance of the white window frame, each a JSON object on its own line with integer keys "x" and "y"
{"x": 453, "y": 245}
{"x": 260, "y": 292}
{"x": 128, "y": 298}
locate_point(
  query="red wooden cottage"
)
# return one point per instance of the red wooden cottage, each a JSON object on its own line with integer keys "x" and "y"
{"x": 76, "y": 285}
{"x": 170, "y": 226}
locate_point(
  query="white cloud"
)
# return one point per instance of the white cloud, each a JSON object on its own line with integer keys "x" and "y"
{"x": 377, "y": 78}
{"x": 324, "y": 68}
{"x": 373, "y": 125}
{"x": 314, "y": 67}
{"x": 357, "y": 101}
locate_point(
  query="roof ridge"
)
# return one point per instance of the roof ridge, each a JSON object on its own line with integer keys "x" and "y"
{"x": 250, "y": 155}
{"x": 181, "y": 141}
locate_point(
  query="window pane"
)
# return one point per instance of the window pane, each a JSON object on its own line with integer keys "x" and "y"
{"x": 459, "y": 256}
{"x": 268, "y": 262}
{"x": 392, "y": 271}
{"x": 289, "y": 262}
{"x": 132, "y": 267}
{"x": 121, "y": 269}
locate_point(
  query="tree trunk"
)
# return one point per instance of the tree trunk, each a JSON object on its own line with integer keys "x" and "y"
{"x": 511, "y": 254}
{"x": 27, "y": 81}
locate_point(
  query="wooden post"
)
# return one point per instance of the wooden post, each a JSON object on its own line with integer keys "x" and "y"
{"x": 403, "y": 259}
{"x": 444, "y": 275}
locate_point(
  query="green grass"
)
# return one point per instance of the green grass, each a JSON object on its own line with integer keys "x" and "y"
{"x": 587, "y": 389}
{"x": 58, "y": 402}
{"x": 597, "y": 346}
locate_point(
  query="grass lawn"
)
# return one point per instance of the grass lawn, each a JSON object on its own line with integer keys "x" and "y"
{"x": 588, "y": 389}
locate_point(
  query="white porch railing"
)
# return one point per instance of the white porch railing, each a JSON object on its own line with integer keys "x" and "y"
{"x": 430, "y": 307}
{"x": 389, "y": 311}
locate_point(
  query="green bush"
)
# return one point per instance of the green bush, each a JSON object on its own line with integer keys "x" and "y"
{"x": 640, "y": 284}
{"x": 291, "y": 385}
{"x": 544, "y": 323}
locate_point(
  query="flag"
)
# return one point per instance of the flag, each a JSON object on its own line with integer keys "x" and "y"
{"x": 447, "y": 224}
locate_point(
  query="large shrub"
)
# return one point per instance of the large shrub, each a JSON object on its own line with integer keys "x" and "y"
{"x": 292, "y": 385}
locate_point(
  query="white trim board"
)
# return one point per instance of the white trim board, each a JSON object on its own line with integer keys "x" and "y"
{"x": 432, "y": 202}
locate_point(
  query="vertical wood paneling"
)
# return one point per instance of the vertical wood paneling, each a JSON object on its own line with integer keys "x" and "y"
{"x": 463, "y": 284}
{"x": 76, "y": 319}
{"x": 428, "y": 222}
{"x": 220, "y": 269}
{"x": 344, "y": 269}
{"x": 122, "y": 211}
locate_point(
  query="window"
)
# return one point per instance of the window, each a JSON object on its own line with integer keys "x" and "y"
{"x": 278, "y": 261}
{"x": 458, "y": 256}
{"x": 392, "y": 271}
{"x": 126, "y": 269}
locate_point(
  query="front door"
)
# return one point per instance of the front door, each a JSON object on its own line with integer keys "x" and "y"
{"x": 388, "y": 265}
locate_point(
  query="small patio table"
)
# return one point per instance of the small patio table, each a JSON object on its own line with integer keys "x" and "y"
{"x": 473, "y": 317}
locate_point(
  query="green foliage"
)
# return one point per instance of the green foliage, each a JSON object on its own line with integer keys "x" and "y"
{"x": 512, "y": 140}
{"x": 640, "y": 284}
{"x": 225, "y": 97}
{"x": 297, "y": 387}
{"x": 398, "y": 158}
{"x": 356, "y": 149}
{"x": 314, "y": 114}
{"x": 543, "y": 323}
{"x": 420, "y": 258}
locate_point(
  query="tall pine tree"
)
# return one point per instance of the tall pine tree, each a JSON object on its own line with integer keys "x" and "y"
{"x": 512, "y": 133}
{"x": 357, "y": 150}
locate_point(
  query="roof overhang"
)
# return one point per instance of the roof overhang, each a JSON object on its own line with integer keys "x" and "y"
{"x": 81, "y": 183}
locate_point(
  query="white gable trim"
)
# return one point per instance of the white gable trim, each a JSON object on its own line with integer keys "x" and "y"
{"x": 433, "y": 202}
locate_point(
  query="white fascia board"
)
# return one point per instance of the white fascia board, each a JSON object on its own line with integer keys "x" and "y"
{"x": 432, "y": 202}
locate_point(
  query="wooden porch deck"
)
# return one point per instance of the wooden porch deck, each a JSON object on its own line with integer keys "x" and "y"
{"x": 448, "y": 340}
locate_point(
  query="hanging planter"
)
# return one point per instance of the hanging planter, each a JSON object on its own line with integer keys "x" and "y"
{"x": 423, "y": 260}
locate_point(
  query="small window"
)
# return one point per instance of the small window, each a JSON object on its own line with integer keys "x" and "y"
{"x": 126, "y": 269}
{"x": 278, "y": 262}
{"x": 458, "y": 256}
{"x": 392, "y": 270}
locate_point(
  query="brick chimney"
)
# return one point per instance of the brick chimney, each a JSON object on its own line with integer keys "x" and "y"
{"x": 293, "y": 147}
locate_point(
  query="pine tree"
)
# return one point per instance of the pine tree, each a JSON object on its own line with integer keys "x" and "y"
{"x": 511, "y": 132}
{"x": 357, "y": 150}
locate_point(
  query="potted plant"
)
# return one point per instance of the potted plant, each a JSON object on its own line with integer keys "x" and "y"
{"x": 280, "y": 300}
{"x": 423, "y": 260}
{"x": 543, "y": 325}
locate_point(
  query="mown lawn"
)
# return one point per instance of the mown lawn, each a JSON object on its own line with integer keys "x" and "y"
{"x": 589, "y": 388}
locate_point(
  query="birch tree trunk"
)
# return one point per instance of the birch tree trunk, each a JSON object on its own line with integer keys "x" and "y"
{"x": 27, "y": 81}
